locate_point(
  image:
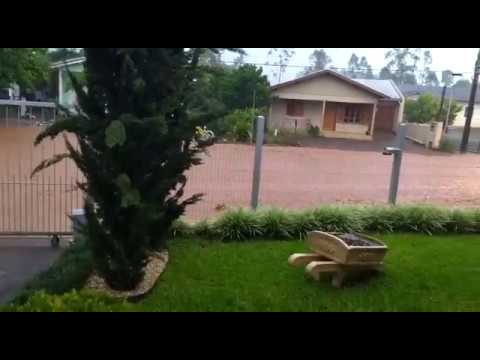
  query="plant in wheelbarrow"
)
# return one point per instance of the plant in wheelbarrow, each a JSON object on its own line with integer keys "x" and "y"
{"x": 136, "y": 138}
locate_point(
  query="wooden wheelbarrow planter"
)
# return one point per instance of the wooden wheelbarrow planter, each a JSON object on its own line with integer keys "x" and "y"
{"x": 344, "y": 255}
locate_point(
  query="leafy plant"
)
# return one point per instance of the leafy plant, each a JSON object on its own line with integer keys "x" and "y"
{"x": 72, "y": 301}
{"x": 242, "y": 225}
{"x": 70, "y": 271}
{"x": 238, "y": 225}
{"x": 313, "y": 130}
{"x": 425, "y": 109}
{"x": 136, "y": 139}
{"x": 448, "y": 145}
{"x": 239, "y": 125}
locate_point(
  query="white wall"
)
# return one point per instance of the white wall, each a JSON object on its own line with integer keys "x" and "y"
{"x": 312, "y": 111}
{"x": 425, "y": 134}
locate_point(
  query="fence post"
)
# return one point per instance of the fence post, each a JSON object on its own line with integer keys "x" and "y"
{"x": 258, "y": 160}
{"x": 397, "y": 162}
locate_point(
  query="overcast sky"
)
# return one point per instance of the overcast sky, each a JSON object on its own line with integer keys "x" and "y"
{"x": 455, "y": 59}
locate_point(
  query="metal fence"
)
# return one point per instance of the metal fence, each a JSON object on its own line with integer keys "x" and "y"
{"x": 38, "y": 205}
{"x": 325, "y": 171}
{"x": 320, "y": 171}
{"x": 22, "y": 113}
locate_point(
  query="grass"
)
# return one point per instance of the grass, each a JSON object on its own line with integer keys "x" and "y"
{"x": 423, "y": 273}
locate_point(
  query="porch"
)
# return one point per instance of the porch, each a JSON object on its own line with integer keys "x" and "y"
{"x": 348, "y": 120}
{"x": 334, "y": 118}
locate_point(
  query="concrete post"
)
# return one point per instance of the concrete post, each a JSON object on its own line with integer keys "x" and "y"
{"x": 397, "y": 162}
{"x": 258, "y": 161}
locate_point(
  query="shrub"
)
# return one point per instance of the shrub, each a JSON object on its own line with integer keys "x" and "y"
{"x": 239, "y": 125}
{"x": 313, "y": 130}
{"x": 284, "y": 137}
{"x": 448, "y": 145}
{"x": 425, "y": 109}
{"x": 72, "y": 301}
{"x": 238, "y": 225}
{"x": 242, "y": 225}
{"x": 70, "y": 271}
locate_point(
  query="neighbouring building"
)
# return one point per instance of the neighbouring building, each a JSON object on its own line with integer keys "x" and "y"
{"x": 339, "y": 106}
{"x": 64, "y": 93}
{"x": 460, "y": 94}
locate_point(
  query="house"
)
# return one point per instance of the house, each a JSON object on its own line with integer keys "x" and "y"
{"x": 339, "y": 106}
{"x": 460, "y": 94}
{"x": 65, "y": 95}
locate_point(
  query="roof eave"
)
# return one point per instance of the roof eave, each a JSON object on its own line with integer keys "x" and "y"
{"x": 333, "y": 73}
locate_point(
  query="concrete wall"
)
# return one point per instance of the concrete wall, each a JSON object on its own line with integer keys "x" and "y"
{"x": 425, "y": 134}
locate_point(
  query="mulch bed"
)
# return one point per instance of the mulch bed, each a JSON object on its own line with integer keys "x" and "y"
{"x": 155, "y": 266}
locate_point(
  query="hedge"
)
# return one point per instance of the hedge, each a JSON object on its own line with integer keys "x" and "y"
{"x": 242, "y": 225}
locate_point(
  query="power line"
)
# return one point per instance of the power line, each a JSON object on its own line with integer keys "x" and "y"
{"x": 335, "y": 67}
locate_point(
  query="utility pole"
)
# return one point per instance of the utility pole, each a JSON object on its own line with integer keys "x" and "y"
{"x": 439, "y": 114}
{"x": 471, "y": 103}
{"x": 445, "y": 121}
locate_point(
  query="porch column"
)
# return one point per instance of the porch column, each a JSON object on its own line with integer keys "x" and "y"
{"x": 374, "y": 113}
{"x": 60, "y": 86}
{"x": 323, "y": 114}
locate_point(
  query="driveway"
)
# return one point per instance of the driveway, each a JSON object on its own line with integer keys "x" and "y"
{"x": 20, "y": 260}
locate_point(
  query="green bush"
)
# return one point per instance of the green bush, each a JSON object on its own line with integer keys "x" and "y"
{"x": 238, "y": 225}
{"x": 70, "y": 271}
{"x": 448, "y": 145}
{"x": 284, "y": 137}
{"x": 242, "y": 225}
{"x": 70, "y": 302}
{"x": 239, "y": 125}
{"x": 313, "y": 130}
{"x": 425, "y": 109}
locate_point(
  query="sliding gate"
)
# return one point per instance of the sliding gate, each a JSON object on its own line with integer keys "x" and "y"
{"x": 42, "y": 204}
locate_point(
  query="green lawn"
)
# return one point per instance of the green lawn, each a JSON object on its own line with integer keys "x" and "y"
{"x": 423, "y": 273}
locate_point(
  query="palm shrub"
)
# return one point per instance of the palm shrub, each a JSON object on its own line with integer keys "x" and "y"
{"x": 135, "y": 137}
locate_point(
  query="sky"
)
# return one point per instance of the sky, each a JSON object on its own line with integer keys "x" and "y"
{"x": 460, "y": 60}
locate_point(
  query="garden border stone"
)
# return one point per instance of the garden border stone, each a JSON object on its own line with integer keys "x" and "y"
{"x": 156, "y": 264}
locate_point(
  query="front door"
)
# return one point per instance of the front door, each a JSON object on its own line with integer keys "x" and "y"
{"x": 330, "y": 116}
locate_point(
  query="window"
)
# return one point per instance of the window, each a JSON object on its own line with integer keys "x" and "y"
{"x": 352, "y": 115}
{"x": 294, "y": 108}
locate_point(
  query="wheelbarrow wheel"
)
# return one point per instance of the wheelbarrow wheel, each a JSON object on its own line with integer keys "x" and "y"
{"x": 55, "y": 241}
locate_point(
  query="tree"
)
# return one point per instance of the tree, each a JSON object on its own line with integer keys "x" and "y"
{"x": 283, "y": 56}
{"x": 422, "y": 110}
{"x": 62, "y": 54}
{"x": 239, "y": 87}
{"x": 359, "y": 68}
{"x": 402, "y": 64}
{"x": 353, "y": 66}
{"x": 319, "y": 60}
{"x": 136, "y": 139}
{"x": 462, "y": 83}
{"x": 428, "y": 77}
{"x": 366, "y": 68}
{"x": 386, "y": 74}
{"x": 425, "y": 108}
{"x": 211, "y": 58}
{"x": 26, "y": 67}
{"x": 239, "y": 61}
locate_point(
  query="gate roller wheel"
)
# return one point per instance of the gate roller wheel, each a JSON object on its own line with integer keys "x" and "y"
{"x": 55, "y": 241}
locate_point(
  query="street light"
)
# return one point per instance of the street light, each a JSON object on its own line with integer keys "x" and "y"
{"x": 445, "y": 121}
